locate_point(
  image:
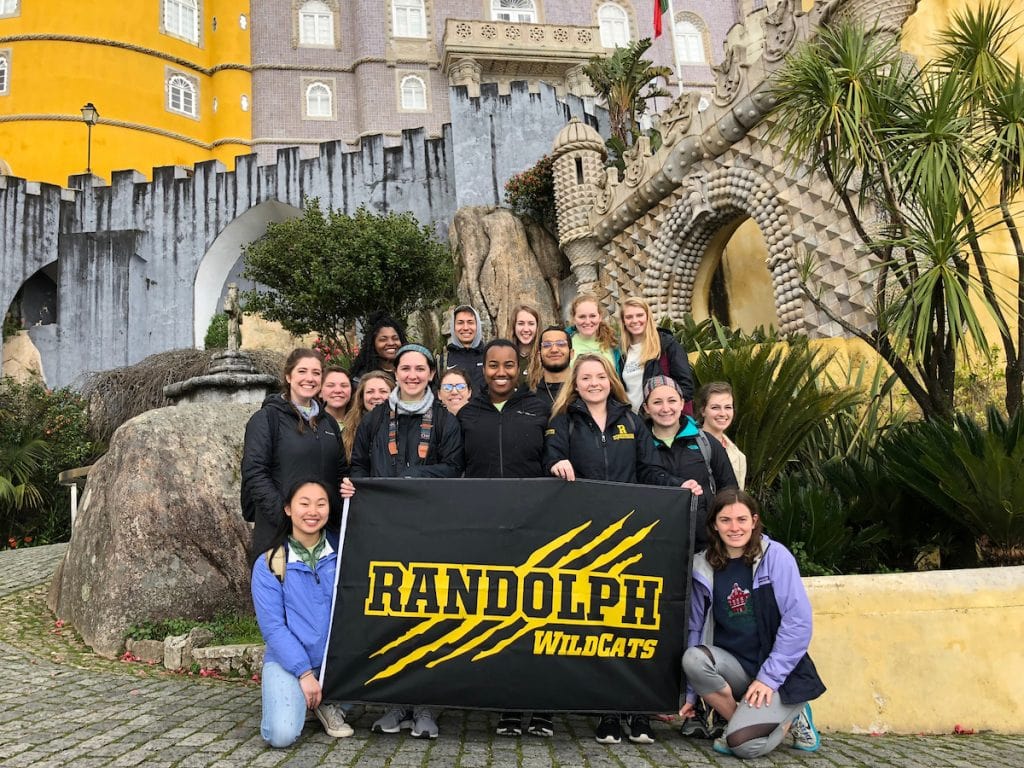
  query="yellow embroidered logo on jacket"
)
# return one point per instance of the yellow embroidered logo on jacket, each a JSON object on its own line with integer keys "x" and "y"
{"x": 564, "y": 583}
{"x": 622, "y": 433}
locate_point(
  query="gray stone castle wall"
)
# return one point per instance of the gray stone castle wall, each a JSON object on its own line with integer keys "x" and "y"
{"x": 142, "y": 265}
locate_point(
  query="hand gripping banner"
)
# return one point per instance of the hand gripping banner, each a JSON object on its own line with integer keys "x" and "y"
{"x": 512, "y": 595}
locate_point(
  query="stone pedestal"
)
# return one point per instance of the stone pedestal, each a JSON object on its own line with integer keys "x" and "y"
{"x": 231, "y": 378}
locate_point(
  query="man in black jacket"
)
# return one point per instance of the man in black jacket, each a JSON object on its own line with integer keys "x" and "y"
{"x": 503, "y": 436}
{"x": 555, "y": 349}
{"x": 466, "y": 347}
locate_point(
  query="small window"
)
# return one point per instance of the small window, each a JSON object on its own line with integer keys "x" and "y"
{"x": 8, "y": 7}
{"x": 689, "y": 44}
{"x": 181, "y": 19}
{"x": 410, "y": 18}
{"x": 614, "y": 23}
{"x": 414, "y": 93}
{"x": 181, "y": 95}
{"x": 4, "y": 67}
{"x": 319, "y": 101}
{"x": 520, "y": 11}
{"x": 316, "y": 24}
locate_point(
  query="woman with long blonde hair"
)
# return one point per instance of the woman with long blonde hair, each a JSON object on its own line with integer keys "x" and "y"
{"x": 650, "y": 351}
{"x": 524, "y": 330}
{"x": 590, "y": 332}
{"x": 374, "y": 388}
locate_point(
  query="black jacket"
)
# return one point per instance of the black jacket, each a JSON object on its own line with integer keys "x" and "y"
{"x": 470, "y": 359}
{"x": 280, "y": 449}
{"x": 684, "y": 460}
{"x": 672, "y": 362}
{"x": 505, "y": 443}
{"x": 370, "y": 456}
{"x": 623, "y": 453}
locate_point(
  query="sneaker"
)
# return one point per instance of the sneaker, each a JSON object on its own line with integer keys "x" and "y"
{"x": 393, "y": 721}
{"x": 541, "y": 725}
{"x": 424, "y": 726}
{"x": 721, "y": 746}
{"x": 694, "y": 728}
{"x": 805, "y": 736}
{"x": 640, "y": 729}
{"x": 510, "y": 724}
{"x": 609, "y": 730}
{"x": 333, "y": 718}
{"x": 717, "y": 725}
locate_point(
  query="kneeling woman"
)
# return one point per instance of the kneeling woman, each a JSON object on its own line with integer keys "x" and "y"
{"x": 292, "y": 584}
{"x": 750, "y": 627}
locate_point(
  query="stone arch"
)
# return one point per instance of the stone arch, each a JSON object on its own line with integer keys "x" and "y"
{"x": 711, "y": 201}
{"x": 222, "y": 254}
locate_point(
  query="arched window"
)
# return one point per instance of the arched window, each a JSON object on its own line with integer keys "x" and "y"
{"x": 410, "y": 18}
{"x": 690, "y": 43}
{"x": 3, "y": 74}
{"x": 181, "y": 19}
{"x": 181, "y": 95}
{"x": 414, "y": 93}
{"x": 614, "y": 23}
{"x": 316, "y": 24}
{"x": 319, "y": 101}
{"x": 522, "y": 11}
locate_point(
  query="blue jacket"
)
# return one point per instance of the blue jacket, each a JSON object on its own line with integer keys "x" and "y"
{"x": 783, "y": 622}
{"x": 294, "y": 615}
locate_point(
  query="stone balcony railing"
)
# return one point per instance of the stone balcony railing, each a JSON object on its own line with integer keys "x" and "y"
{"x": 522, "y": 50}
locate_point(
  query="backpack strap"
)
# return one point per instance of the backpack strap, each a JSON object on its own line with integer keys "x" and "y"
{"x": 705, "y": 451}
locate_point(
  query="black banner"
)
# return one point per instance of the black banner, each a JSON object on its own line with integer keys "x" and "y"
{"x": 512, "y": 595}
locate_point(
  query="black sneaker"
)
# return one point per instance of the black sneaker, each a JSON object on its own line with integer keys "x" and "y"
{"x": 694, "y": 728}
{"x": 640, "y": 729}
{"x": 541, "y": 725}
{"x": 609, "y": 730}
{"x": 510, "y": 724}
{"x": 717, "y": 725}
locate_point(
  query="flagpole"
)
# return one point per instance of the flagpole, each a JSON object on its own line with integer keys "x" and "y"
{"x": 675, "y": 48}
{"x": 334, "y": 593}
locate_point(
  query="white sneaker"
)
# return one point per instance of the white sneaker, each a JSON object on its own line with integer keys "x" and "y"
{"x": 333, "y": 718}
{"x": 424, "y": 725}
{"x": 392, "y": 721}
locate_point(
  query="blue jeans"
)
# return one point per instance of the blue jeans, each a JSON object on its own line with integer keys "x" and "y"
{"x": 284, "y": 706}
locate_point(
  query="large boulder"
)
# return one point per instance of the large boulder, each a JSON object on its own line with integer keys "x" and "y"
{"x": 501, "y": 261}
{"x": 159, "y": 532}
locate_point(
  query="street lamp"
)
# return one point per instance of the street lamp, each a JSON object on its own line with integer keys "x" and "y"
{"x": 91, "y": 116}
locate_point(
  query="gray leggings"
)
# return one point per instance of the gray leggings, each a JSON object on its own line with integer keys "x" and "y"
{"x": 752, "y": 732}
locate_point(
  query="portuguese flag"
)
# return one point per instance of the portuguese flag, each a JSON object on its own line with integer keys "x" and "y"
{"x": 660, "y": 6}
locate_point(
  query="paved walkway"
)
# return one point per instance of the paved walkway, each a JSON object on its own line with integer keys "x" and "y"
{"x": 57, "y": 710}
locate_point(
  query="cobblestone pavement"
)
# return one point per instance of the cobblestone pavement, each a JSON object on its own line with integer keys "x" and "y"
{"x": 61, "y": 713}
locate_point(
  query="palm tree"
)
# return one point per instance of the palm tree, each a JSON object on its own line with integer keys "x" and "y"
{"x": 851, "y": 107}
{"x": 626, "y": 81}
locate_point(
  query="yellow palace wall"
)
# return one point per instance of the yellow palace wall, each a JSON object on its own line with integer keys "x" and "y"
{"x": 119, "y": 60}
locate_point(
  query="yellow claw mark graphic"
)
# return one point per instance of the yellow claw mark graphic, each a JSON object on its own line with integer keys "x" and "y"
{"x": 470, "y": 624}
{"x": 419, "y": 629}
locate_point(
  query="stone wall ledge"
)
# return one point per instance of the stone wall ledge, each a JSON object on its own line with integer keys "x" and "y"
{"x": 920, "y": 652}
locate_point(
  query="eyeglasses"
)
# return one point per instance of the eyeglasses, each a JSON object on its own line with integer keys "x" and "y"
{"x": 549, "y": 344}
{"x": 453, "y": 387}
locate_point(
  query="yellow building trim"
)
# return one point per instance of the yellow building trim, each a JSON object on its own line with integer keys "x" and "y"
{"x": 54, "y": 118}
{"x": 51, "y": 38}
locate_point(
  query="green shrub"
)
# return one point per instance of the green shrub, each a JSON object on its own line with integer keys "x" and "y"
{"x": 217, "y": 333}
{"x": 32, "y": 415}
{"x": 532, "y": 192}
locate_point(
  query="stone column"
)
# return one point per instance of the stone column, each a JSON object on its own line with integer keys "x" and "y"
{"x": 466, "y": 72}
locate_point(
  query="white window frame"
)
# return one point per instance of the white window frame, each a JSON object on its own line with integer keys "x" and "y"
{"x": 319, "y": 16}
{"x": 515, "y": 11}
{"x": 615, "y": 32}
{"x": 409, "y": 18}
{"x": 689, "y": 41}
{"x": 319, "y": 114}
{"x": 10, "y": 7}
{"x": 184, "y": 90}
{"x": 177, "y": 22}
{"x": 5, "y": 72}
{"x": 408, "y": 94}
